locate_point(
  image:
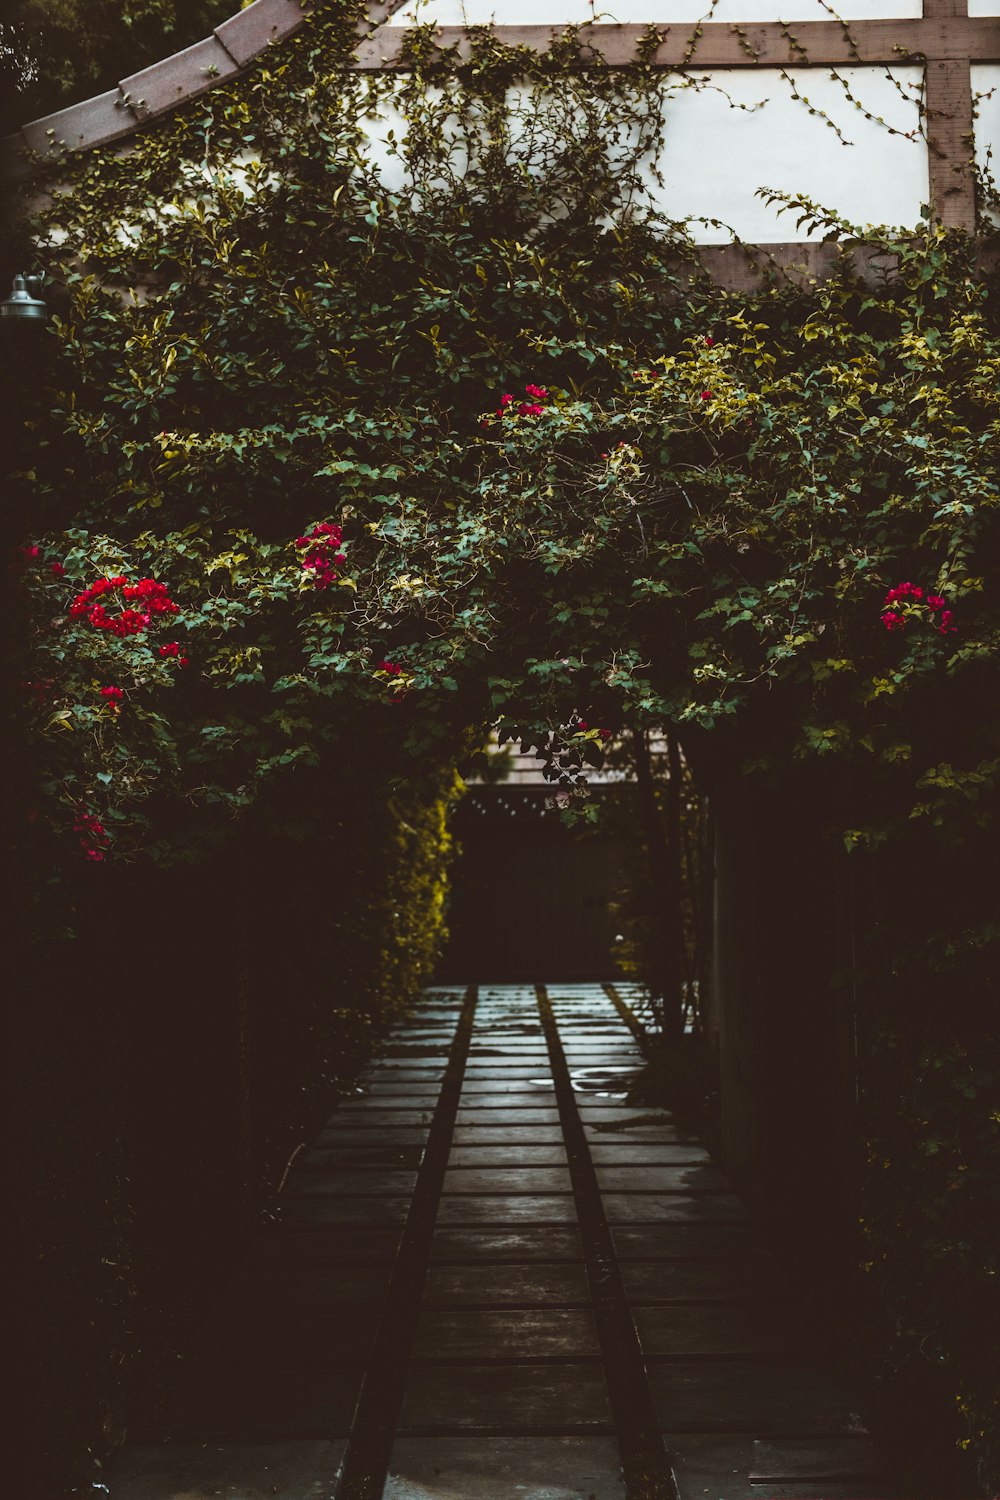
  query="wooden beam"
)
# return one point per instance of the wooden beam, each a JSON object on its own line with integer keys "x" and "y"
{"x": 950, "y": 141}
{"x": 727, "y": 45}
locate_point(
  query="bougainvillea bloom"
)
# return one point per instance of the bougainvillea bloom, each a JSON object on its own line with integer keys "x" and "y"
{"x": 57, "y": 570}
{"x": 911, "y": 594}
{"x": 531, "y": 408}
{"x": 92, "y": 834}
{"x": 152, "y": 597}
{"x": 706, "y": 395}
{"x": 319, "y": 561}
{"x": 172, "y": 650}
{"x": 112, "y": 694}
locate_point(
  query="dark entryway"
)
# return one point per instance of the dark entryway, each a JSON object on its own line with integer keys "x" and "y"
{"x": 530, "y": 896}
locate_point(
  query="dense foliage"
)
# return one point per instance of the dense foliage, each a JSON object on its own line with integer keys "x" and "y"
{"x": 449, "y": 429}
{"x": 152, "y": 1134}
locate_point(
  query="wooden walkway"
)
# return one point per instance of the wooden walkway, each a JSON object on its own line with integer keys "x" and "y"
{"x": 493, "y": 1280}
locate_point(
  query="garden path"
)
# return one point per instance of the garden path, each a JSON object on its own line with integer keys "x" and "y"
{"x": 492, "y": 1279}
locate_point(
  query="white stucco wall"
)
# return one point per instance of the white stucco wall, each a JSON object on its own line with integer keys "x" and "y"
{"x": 742, "y": 129}
{"x": 986, "y": 84}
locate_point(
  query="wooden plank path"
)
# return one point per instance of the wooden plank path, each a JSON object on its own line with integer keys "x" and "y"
{"x": 493, "y": 1279}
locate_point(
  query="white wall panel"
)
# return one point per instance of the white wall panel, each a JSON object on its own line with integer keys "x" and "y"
{"x": 662, "y": 13}
{"x": 984, "y": 7}
{"x": 986, "y": 83}
{"x": 716, "y": 155}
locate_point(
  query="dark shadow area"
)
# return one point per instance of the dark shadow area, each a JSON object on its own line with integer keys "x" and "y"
{"x": 530, "y": 896}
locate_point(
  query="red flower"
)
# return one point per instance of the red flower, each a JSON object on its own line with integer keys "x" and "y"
{"x": 935, "y": 601}
{"x": 392, "y": 668}
{"x": 112, "y": 694}
{"x": 709, "y": 341}
{"x": 31, "y": 552}
{"x": 92, "y": 834}
{"x": 153, "y": 596}
{"x": 706, "y": 395}
{"x": 57, "y": 570}
{"x": 323, "y": 541}
{"x": 538, "y": 392}
{"x": 892, "y": 621}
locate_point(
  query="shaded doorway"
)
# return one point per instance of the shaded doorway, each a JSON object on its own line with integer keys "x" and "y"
{"x": 530, "y": 896}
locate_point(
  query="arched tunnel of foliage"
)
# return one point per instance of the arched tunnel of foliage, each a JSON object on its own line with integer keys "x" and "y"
{"x": 364, "y": 445}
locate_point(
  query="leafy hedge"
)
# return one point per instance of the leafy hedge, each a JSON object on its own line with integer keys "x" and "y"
{"x": 191, "y": 1027}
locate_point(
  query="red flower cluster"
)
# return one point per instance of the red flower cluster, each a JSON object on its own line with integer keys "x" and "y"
{"x": 323, "y": 541}
{"x": 583, "y": 726}
{"x": 112, "y": 694}
{"x": 172, "y": 649}
{"x": 151, "y": 596}
{"x": 894, "y": 617}
{"x": 393, "y": 669}
{"x": 57, "y": 570}
{"x": 92, "y": 835}
{"x": 509, "y": 405}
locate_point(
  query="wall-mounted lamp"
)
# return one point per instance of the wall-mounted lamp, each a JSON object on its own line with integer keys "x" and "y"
{"x": 24, "y": 305}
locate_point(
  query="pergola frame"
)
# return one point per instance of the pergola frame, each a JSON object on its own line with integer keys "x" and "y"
{"x": 945, "y": 40}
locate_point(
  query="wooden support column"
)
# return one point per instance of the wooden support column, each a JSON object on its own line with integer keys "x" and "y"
{"x": 948, "y": 98}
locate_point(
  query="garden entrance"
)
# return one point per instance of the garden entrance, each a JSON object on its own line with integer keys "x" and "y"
{"x": 387, "y": 413}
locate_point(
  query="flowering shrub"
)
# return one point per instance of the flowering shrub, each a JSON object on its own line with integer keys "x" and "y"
{"x": 718, "y": 572}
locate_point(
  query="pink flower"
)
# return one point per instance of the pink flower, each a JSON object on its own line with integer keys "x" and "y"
{"x": 935, "y": 601}
{"x": 537, "y": 391}
{"x": 893, "y": 621}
